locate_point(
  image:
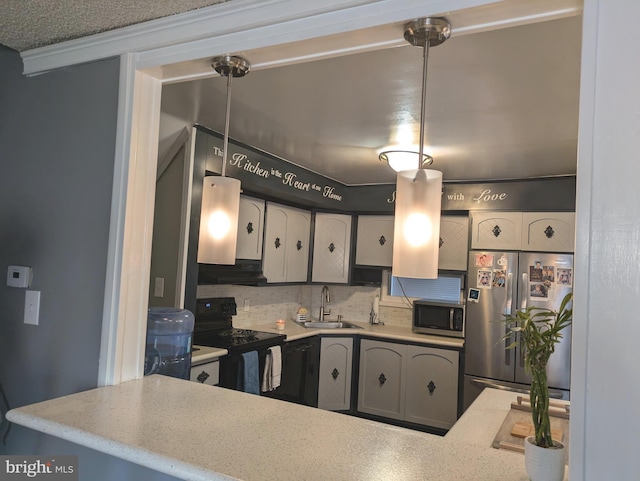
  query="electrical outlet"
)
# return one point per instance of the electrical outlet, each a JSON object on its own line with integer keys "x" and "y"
{"x": 31, "y": 307}
{"x": 246, "y": 304}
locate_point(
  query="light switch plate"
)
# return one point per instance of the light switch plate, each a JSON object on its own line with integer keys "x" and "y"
{"x": 158, "y": 288}
{"x": 32, "y": 307}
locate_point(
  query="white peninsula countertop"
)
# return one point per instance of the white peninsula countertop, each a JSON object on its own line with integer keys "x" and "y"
{"x": 198, "y": 432}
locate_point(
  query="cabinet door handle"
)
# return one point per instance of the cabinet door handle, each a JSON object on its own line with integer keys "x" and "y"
{"x": 496, "y": 230}
{"x": 249, "y": 227}
{"x": 549, "y": 232}
{"x": 332, "y": 247}
{"x": 431, "y": 387}
{"x": 299, "y": 245}
{"x": 277, "y": 242}
{"x": 382, "y": 379}
{"x": 202, "y": 377}
{"x": 335, "y": 373}
{"x": 382, "y": 240}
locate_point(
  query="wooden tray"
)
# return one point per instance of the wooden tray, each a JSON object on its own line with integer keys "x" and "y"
{"x": 518, "y": 424}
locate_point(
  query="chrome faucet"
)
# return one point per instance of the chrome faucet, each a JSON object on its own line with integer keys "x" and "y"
{"x": 325, "y": 296}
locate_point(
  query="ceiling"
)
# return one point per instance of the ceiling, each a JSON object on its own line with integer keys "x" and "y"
{"x": 501, "y": 104}
{"x": 25, "y": 25}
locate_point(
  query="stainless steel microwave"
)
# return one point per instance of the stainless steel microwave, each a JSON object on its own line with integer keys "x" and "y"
{"x": 439, "y": 318}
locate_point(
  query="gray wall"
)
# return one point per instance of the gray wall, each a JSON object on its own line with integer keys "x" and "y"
{"x": 57, "y": 144}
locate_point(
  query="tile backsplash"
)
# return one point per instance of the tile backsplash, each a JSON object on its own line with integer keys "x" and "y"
{"x": 270, "y": 303}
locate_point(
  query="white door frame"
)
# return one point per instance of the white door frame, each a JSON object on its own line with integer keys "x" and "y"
{"x": 272, "y": 33}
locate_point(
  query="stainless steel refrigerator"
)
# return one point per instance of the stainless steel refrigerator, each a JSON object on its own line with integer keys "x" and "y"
{"x": 500, "y": 283}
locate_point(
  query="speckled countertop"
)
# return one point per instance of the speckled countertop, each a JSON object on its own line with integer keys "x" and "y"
{"x": 295, "y": 331}
{"x": 217, "y": 433}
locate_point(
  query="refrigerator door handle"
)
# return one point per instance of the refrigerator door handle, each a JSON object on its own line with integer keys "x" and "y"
{"x": 507, "y": 312}
{"x": 485, "y": 383}
{"x": 451, "y": 319}
{"x": 509, "y": 302}
{"x": 524, "y": 291}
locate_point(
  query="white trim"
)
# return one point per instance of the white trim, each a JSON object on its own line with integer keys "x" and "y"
{"x": 174, "y": 29}
{"x": 165, "y": 161}
{"x": 110, "y": 361}
{"x": 281, "y": 21}
{"x": 185, "y": 221}
{"x": 126, "y": 294}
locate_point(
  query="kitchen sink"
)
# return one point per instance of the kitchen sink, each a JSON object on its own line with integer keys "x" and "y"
{"x": 329, "y": 325}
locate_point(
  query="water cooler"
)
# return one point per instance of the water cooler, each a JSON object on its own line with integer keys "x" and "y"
{"x": 169, "y": 334}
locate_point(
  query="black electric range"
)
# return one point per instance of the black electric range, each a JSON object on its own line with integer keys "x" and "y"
{"x": 214, "y": 328}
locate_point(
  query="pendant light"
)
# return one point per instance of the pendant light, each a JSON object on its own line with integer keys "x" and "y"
{"x": 416, "y": 240}
{"x": 221, "y": 194}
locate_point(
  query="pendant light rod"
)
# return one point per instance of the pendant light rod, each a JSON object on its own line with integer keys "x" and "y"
{"x": 229, "y": 66}
{"x": 423, "y": 104}
{"x": 225, "y": 143}
{"x": 425, "y": 33}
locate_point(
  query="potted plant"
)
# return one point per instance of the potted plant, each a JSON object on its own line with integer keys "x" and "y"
{"x": 537, "y": 330}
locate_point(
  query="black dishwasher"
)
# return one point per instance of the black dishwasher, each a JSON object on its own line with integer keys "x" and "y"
{"x": 300, "y": 366}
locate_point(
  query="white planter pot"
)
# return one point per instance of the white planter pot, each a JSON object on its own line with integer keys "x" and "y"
{"x": 544, "y": 464}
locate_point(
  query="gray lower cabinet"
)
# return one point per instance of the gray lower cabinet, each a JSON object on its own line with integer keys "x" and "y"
{"x": 334, "y": 382}
{"x": 381, "y": 386}
{"x": 413, "y": 383}
{"x": 207, "y": 373}
{"x": 432, "y": 386}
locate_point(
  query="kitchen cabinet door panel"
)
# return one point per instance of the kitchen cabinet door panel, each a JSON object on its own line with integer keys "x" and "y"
{"x": 275, "y": 234}
{"x": 382, "y": 385}
{"x": 432, "y": 386}
{"x": 250, "y": 228}
{"x": 496, "y": 230}
{"x": 374, "y": 242}
{"x": 286, "y": 243}
{"x": 334, "y": 386}
{"x": 331, "y": 248}
{"x": 454, "y": 243}
{"x": 298, "y": 235}
{"x": 548, "y": 231}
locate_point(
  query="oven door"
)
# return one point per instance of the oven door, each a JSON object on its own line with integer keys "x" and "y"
{"x": 300, "y": 368}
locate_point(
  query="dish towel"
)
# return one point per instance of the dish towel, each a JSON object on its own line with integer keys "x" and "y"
{"x": 272, "y": 369}
{"x": 248, "y": 376}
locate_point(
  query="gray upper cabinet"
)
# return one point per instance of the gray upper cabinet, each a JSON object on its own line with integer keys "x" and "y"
{"x": 454, "y": 242}
{"x": 548, "y": 231}
{"x": 331, "y": 248}
{"x": 286, "y": 243}
{"x": 527, "y": 231}
{"x": 374, "y": 241}
{"x": 250, "y": 228}
{"x": 334, "y": 382}
{"x": 496, "y": 230}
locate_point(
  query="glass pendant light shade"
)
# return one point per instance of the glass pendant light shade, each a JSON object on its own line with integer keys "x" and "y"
{"x": 219, "y": 220}
{"x": 416, "y": 237}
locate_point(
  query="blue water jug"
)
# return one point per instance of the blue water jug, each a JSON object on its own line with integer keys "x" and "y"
{"x": 168, "y": 349}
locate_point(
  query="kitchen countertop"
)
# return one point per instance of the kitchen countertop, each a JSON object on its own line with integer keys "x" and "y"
{"x": 295, "y": 331}
{"x": 217, "y": 433}
{"x": 202, "y": 354}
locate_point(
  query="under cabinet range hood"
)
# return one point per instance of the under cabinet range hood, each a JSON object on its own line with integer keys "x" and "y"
{"x": 243, "y": 272}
